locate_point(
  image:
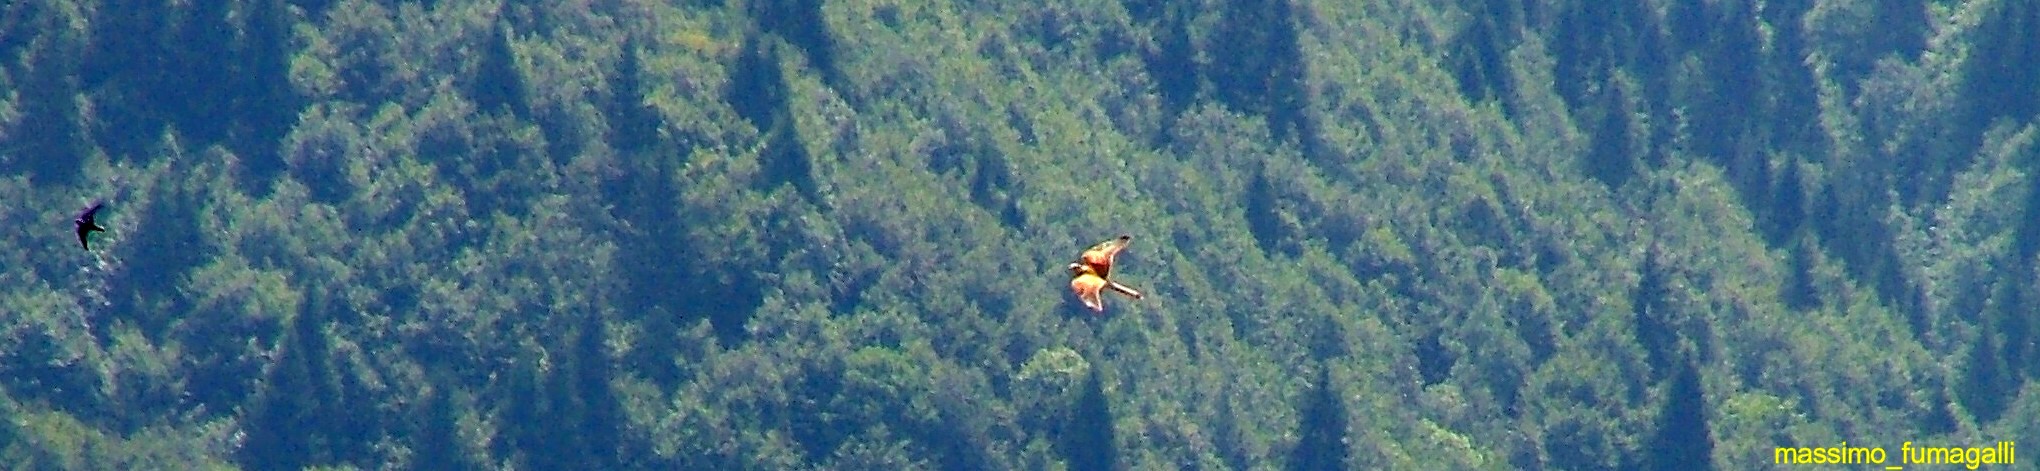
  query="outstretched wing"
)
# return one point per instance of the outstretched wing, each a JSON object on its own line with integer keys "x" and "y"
{"x": 91, "y": 215}
{"x": 1087, "y": 286}
{"x": 1100, "y": 256}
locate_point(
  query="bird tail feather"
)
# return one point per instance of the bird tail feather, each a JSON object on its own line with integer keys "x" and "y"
{"x": 1123, "y": 289}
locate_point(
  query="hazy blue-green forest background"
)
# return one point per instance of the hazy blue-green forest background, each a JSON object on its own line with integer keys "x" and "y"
{"x": 788, "y": 234}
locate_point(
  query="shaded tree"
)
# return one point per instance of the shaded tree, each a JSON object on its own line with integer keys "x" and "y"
{"x": 1854, "y": 36}
{"x": 1172, "y": 61}
{"x": 53, "y": 136}
{"x": 1801, "y": 290}
{"x": 801, "y": 24}
{"x": 1983, "y": 380}
{"x": 1479, "y": 52}
{"x": 1725, "y": 122}
{"x": 1683, "y": 440}
{"x": 498, "y": 84}
{"x": 1656, "y": 331}
{"x": 263, "y": 105}
{"x": 299, "y": 401}
{"x": 1994, "y": 80}
{"x": 198, "y": 80}
{"x": 1612, "y": 155}
{"x": 1269, "y": 217}
{"x": 436, "y": 445}
{"x": 633, "y": 124}
{"x": 1259, "y": 69}
{"x": 760, "y": 93}
{"x": 1322, "y": 442}
{"x": 529, "y": 435}
{"x": 1785, "y": 214}
{"x": 127, "y": 65}
{"x": 1088, "y": 440}
{"x": 597, "y": 417}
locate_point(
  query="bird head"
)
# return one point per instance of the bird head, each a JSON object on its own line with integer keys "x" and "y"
{"x": 1078, "y": 268}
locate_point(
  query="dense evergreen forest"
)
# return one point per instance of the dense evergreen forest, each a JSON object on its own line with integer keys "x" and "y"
{"x": 807, "y": 234}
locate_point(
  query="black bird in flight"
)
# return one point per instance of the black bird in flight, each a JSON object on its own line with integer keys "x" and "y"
{"x": 87, "y": 224}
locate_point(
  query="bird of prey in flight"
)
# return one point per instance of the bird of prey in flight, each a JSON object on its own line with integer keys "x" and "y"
{"x": 87, "y": 224}
{"x": 1091, "y": 273}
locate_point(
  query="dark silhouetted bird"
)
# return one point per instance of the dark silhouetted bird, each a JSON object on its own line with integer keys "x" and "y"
{"x": 87, "y": 223}
{"x": 1090, "y": 275}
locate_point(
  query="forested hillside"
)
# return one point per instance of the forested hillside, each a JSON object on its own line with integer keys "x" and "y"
{"x": 807, "y": 234}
